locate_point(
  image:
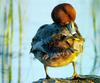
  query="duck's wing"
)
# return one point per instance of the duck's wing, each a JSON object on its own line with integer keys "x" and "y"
{"x": 36, "y": 41}
{"x": 43, "y": 36}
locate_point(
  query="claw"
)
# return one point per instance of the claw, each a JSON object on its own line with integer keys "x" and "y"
{"x": 75, "y": 76}
{"x": 47, "y": 77}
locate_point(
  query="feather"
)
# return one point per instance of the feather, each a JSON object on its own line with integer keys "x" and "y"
{"x": 53, "y": 41}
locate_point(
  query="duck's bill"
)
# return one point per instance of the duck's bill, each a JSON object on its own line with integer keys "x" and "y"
{"x": 71, "y": 28}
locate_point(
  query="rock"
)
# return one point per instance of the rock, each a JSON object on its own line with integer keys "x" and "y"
{"x": 81, "y": 79}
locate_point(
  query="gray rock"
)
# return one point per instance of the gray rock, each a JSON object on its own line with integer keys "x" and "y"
{"x": 81, "y": 79}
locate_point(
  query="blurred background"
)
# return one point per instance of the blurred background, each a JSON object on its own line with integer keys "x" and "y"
{"x": 19, "y": 22}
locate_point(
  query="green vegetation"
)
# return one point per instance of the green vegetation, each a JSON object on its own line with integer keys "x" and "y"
{"x": 7, "y": 48}
{"x": 20, "y": 41}
{"x": 94, "y": 11}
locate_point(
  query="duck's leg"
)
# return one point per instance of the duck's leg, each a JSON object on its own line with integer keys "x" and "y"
{"x": 47, "y": 77}
{"x": 75, "y": 75}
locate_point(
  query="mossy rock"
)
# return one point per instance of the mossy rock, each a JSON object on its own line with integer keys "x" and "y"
{"x": 81, "y": 79}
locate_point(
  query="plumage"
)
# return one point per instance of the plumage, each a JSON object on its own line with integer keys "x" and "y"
{"x": 53, "y": 45}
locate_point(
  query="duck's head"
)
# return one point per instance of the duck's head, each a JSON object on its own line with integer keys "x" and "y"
{"x": 63, "y": 14}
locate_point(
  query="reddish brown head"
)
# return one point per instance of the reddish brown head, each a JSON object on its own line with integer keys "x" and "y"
{"x": 63, "y": 14}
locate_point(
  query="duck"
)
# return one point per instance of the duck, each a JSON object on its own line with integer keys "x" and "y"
{"x": 59, "y": 43}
